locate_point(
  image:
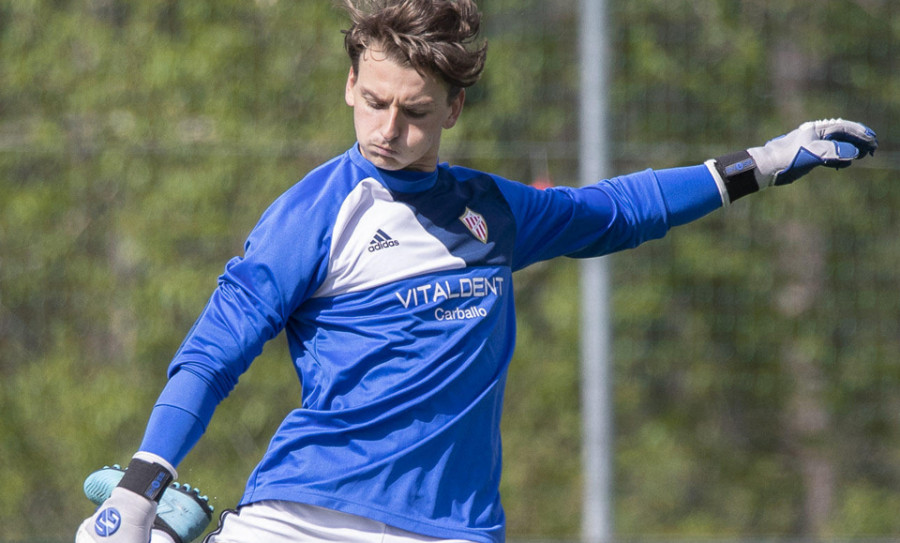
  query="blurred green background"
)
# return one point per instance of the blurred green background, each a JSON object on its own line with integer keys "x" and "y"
{"x": 756, "y": 352}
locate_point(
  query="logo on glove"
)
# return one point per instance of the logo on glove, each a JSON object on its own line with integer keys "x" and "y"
{"x": 107, "y": 522}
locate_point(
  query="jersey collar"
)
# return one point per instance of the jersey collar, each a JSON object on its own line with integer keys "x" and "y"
{"x": 396, "y": 180}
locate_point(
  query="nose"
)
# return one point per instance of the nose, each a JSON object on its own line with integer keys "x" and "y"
{"x": 390, "y": 126}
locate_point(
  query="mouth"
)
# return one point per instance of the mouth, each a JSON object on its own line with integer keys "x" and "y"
{"x": 384, "y": 151}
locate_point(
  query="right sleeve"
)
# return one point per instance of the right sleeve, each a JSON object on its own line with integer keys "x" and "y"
{"x": 281, "y": 267}
{"x": 179, "y": 417}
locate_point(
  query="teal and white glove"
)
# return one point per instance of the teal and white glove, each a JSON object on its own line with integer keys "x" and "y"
{"x": 128, "y": 514}
{"x": 834, "y": 143}
{"x": 125, "y": 517}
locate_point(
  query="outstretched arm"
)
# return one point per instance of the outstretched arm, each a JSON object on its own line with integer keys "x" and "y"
{"x": 623, "y": 212}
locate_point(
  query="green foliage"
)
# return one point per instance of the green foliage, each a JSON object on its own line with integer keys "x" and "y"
{"x": 744, "y": 341}
{"x": 140, "y": 141}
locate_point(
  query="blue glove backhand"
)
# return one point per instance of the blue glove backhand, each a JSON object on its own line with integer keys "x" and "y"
{"x": 835, "y": 143}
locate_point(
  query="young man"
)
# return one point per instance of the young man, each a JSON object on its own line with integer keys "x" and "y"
{"x": 392, "y": 277}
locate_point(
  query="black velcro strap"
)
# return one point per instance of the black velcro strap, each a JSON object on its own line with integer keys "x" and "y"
{"x": 147, "y": 479}
{"x": 737, "y": 171}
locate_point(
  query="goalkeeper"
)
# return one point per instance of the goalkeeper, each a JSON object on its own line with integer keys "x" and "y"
{"x": 391, "y": 274}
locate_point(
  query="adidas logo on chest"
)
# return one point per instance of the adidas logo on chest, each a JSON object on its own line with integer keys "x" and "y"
{"x": 382, "y": 240}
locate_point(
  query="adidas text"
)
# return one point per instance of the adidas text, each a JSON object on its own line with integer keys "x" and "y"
{"x": 377, "y": 246}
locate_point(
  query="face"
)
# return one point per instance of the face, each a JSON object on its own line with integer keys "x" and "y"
{"x": 398, "y": 114}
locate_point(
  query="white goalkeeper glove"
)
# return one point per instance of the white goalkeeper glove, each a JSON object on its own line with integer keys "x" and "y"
{"x": 127, "y": 515}
{"x": 834, "y": 143}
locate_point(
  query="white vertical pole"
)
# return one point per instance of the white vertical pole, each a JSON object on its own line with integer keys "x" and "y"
{"x": 596, "y": 389}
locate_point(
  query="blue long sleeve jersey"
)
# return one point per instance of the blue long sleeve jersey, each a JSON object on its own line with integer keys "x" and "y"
{"x": 395, "y": 293}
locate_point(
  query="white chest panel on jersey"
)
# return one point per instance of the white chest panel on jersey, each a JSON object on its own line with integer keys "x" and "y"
{"x": 376, "y": 241}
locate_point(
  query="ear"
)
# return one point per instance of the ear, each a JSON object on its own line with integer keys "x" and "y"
{"x": 348, "y": 91}
{"x": 456, "y": 107}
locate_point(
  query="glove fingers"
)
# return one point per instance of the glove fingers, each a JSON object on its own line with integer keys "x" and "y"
{"x": 863, "y": 147}
{"x": 831, "y": 151}
{"x": 845, "y": 152}
{"x": 860, "y": 135}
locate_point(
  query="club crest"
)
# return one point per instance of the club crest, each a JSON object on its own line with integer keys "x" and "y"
{"x": 476, "y": 224}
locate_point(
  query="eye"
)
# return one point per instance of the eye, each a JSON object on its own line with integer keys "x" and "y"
{"x": 415, "y": 113}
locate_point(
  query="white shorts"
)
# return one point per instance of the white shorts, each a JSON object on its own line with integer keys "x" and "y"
{"x": 288, "y": 522}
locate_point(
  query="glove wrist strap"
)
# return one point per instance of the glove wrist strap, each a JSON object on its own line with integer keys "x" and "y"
{"x": 738, "y": 173}
{"x": 148, "y": 479}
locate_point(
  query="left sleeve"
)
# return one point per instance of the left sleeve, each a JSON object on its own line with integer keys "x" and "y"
{"x": 255, "y": 296}
{"x": 610, "y": 216}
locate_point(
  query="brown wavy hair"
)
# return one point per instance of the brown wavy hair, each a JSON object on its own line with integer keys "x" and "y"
{"x": 432, "y": 36}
